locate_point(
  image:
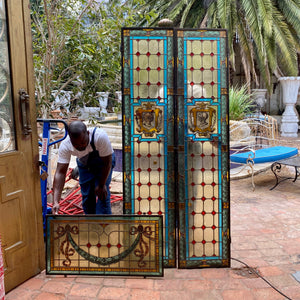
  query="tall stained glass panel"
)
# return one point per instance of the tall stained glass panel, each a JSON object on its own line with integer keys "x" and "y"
{"x": 175, "y": 101}
{"x": 203, "y": 189}
{"x": 148, "y": 141}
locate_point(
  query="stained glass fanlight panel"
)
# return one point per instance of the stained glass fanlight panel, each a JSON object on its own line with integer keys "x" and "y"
{"x": 203, "y": 192}
{"x": 148, "y": 69}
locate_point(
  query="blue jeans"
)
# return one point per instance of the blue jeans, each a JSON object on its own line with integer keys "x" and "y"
{"x": 88, "y": 182}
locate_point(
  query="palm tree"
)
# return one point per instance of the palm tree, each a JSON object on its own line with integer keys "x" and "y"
{"x": 266, "y": 33}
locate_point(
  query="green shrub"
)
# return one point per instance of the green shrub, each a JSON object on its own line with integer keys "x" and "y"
{"x": 240, "y": 102}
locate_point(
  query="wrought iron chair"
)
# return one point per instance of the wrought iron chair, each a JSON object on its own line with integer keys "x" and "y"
{"x": 257, "y": 143}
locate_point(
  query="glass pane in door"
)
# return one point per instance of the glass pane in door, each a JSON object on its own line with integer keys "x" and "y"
{"x": 7, "y": 135}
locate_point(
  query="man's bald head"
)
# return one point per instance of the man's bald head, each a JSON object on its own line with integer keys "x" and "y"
{"x": 79, "y": 135}
{"x": 76, "y": 128}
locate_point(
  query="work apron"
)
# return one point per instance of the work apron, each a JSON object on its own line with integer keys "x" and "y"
{"x": 89, "y": 176}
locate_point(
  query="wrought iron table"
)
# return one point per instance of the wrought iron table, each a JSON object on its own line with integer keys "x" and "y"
{"x": 276, "y": 168}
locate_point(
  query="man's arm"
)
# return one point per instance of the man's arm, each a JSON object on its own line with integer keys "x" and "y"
{"x": 58, "y": 185}
{"x": 101, "y": 190}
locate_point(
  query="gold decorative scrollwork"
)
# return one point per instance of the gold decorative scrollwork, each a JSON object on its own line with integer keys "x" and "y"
{"x": 203, "y": 119}
{"x": 149, "y": 119}
{"x": 65, "y": 245}
{"x": 143, "y": 249}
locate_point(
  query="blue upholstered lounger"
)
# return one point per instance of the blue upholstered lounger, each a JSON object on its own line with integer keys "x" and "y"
{"x": 265, "y": 155}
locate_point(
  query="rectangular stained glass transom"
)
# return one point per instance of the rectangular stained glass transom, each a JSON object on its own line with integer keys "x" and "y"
{"x": 104, "y": 245}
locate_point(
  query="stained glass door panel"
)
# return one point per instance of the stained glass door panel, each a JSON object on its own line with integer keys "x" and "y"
{"x": 149, "y": 181}
{"x": 175, "y": 139}
{"x": 203, "y": 189}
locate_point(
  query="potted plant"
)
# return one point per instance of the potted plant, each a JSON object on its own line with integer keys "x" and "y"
{"x": 240, "y": 103}
{"x": 240, "y": 106}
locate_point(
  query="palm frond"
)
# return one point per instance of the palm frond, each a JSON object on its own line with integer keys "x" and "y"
{"x": 271, "y": 50}
{"x": 224, "y": 12}
{"x": 246, "y": 46}
{"x": 291, "y": 11}
{"x": 265, "y": 9}
{"x": 285, "y": 44}
{"x": 177, "y": 10}
{"x": 186, "y": 12}
{"x": 195, "y": 19}
{"x": 253, "y": 21}
{"x": 212, "y": 12}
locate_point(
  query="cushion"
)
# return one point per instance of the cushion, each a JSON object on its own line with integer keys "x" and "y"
{"x": 265, "y": 155}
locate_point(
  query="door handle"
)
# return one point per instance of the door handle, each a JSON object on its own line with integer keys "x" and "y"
{"x": 26, "y": 124}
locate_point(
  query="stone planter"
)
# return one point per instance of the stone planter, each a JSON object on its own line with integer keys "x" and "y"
{"x": 103, "y": 101}
{"x": 119, "y": 96}
{"x": 259, "y": 97}
{"x": 62, "y": 100}
{"x": 289, "y": 121}
{"x": 87, "y": 113}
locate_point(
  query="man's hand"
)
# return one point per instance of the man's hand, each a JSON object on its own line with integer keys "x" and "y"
{"x": 101, "y": 192}
{"x": 58, "y": 184}
{"x": 55, "y": 208}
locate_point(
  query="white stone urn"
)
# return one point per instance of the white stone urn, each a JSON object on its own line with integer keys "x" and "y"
{"x": 259, "y": 97}
{"x": 289, "y": 121}
{"x": 119, "y": 104}
{"x": 103, "y": 101}
{"x": 119, "y": 96}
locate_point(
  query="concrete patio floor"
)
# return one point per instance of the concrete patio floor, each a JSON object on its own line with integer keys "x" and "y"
{"x": 265, "y": 231}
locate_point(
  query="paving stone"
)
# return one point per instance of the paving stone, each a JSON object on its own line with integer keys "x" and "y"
{"x": 266, "y": 293}
{"x": 169, "y": 285}
{"x": 237, "y": 294}
{"x": 117, "y": 282}
{"x": 55, "y": 286}
{"x": 270, "y": 271}
{"x": 139, "y": 283}
{"x": 84, "y": 290}
{"x": 33, "y": 284}
{"x": 293, "y": 292}
{"x": 215, "y": 273}
{"x": 114, "y": 293}
{"x": 197, "y": 285}
{"x": 21, "y": 294}
{"x": 138, "y": 294}
{"x": 228, "y": 284}
{"x": 50, "y": 296}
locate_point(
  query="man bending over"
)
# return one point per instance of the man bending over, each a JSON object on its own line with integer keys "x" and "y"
{"x": 95, "y": 161}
